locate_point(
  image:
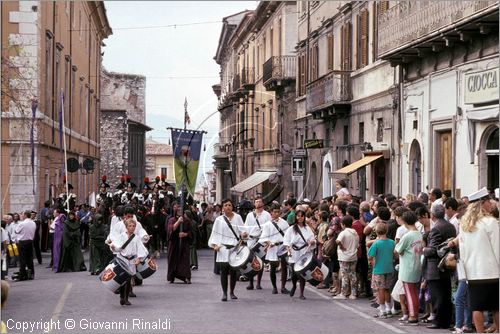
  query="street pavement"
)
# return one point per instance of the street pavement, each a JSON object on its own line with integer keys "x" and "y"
{"x": 78, "y": 302}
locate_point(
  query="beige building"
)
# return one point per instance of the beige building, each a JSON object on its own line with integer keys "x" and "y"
{"x": 159, "y": 161}
{"x": 50, "y": 49}
{"x": 258, "y": 108}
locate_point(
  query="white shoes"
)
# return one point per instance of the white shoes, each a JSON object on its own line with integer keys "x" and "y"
{"x": 340, "y": 297}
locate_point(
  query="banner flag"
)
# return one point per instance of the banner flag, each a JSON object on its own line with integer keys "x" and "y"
{"x": 187, "y": 149}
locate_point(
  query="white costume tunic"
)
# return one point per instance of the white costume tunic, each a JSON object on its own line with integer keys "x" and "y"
{"x": 118, "y": 227}
{"x": 272, "y": 235}
{"x": 135, "y": 249}
{"x": 254, "y": 231}
{"x": 294, "y": 239}
{"x": 222, "y": 235}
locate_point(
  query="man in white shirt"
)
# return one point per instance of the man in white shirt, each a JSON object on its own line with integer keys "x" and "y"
{"x": 435, "y": 197}
{"x": 25, "y": 232}
{"x": 451, "y": 214}
{"x": 255, "y": 222}
{"x": 226, "y": 233}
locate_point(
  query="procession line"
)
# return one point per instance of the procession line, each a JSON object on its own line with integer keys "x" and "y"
{"x": 354, "y": 310}
{"x": 60, "y": 304}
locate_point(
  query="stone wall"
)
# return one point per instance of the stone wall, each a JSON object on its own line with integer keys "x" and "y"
{"x": 114, "y": 145}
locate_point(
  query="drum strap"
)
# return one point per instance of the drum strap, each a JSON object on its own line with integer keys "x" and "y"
{"x": 231, "y": 227}
{"x": 128, "y": 241}
{"x": 256, "y": 219}
{"x": 302, "y": 236}
{"x": 278, "y": 228}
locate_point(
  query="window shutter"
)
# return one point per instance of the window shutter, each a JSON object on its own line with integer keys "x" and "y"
{"x": 349, "y": 46}
{"x": 358, "y": 41}
{"x": 364, "y": 37}
{"x": 384, "y": 6}
{"x": 375, "y": 32}
{"x": 330, "y": 52}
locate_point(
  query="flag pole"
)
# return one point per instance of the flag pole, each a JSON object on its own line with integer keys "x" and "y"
{"x": 65, "y": 151}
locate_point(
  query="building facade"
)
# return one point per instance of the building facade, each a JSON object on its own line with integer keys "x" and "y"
{"x": 51, "y": 60}
{"x": 123, "y": 127}
{"x": 449, "y": 86}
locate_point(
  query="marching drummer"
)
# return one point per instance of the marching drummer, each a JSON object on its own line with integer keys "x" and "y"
{"x": 255, "y": 222}
{"x": 299, "y": 239}
{"x": 131, "y": 251}
{"x": 273, "y": 232}
{"x": 226, "y": 233}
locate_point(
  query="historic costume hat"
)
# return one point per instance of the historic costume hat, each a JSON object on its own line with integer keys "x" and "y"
{"x": 481, "y": 194}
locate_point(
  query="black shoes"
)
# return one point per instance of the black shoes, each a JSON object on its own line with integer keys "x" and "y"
{"x": 131, "y": 294}
{"x": 275, "y": 291}
{"x": 233, "y": 296}
{"x": 285, "y": 291}
{"x": 224, "y": 298}
{"x": 292, "y": 292}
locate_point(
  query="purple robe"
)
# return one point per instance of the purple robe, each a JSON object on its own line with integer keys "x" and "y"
{"x": 178, "y": 251}
{"x": 57, "y": 243}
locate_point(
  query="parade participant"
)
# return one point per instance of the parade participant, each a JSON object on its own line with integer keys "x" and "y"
{"x": 104, "y": 198}
{"x": 299, "y": 240}
{"x": 97, "y": 233}
{"x": 179, "y": 240}
{"x": 59, "y": 219}
{"x": 25, "y": 232}
{"x": 45, "y": 221}
{"x": 255, "y": 221}
{"x": 67, "y": 198}
{"x": 36, "y": 237}
{"x": 273, "y": 232}
{"x": 225, "y": 235}
{"x": 130, "y": 249}
{"x": 71, "y": 255}
{"x": 127, "y": 196}
{"x": 84, "y": 215}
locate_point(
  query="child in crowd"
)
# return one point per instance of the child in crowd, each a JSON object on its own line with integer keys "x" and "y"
{"x": 409, "y": 249}
{"x": 348, "y": 241}
{"x": 381, "y": 255}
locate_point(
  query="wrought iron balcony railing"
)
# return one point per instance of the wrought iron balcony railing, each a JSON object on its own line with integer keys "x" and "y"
{"x": 332, "y": 88}
{"x": 278, "y": 70}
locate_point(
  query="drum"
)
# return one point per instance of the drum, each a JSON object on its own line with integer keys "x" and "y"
{"x": 282, "y": 251}
{"x": 259, "y": 250}
{"x": 146, "y": 268}
{"x": 115, "y": 274}
{"x": 243, "y": 259}
{"x": 311, "y": 269}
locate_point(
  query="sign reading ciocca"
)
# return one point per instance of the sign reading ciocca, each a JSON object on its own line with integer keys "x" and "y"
{"x": 481, "y": 87}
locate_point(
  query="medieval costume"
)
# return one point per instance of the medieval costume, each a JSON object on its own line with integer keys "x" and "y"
{"x": 71, "y": 254}
{"x": 57, "y": 242}
{"x": 98, "y": 256}
{"x": 179, "y": 242}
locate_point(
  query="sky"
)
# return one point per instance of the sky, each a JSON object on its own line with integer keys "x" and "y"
{"x": 176, "y": 58}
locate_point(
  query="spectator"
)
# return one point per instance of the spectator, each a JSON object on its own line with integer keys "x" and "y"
{"x": 348, "y": 242}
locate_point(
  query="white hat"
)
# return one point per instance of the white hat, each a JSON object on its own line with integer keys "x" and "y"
{"x": 497, "y": 193}
{"x": 479, "y": 195}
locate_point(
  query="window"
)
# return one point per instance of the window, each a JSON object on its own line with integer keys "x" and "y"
{"x": 164, "y": 171}
{"x": 279, "y": 37}
{"x": 302, "y": 74}
{"x": 346, "y": 47}
{"x": 362, "y": 39}
{"x": 271, "y": 42}
{"x": 330, "y": 52}
{"x": 314, "y": 62}
{"x": 346, "y": 134}
{"x": 375, "y": 31}
{"x": 361, "y": 133}
{"x": 380, "y": 130}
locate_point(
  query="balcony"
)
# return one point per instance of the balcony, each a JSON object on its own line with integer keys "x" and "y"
{"x": 411, "y": 27}
{"x": 237, "y": 89}
{"x": 248, "y": 78}
{"x": 278, "y": 72}
{"x": 220, "y": 151}
{"x": 331, "y": 94}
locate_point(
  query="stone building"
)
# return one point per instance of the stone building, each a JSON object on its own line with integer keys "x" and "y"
{"x": 49, "y": 50}
{"x": 123, "y": 127}
{"x": 446, "y": 54}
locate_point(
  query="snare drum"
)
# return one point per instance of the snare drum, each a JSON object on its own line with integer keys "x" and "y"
{"x": 282, "y": 251}
{"x": 146, "y": 268}
{"x": 115, "y": 274}
{"x": 311, "y": 269}
{"x": 259, "y": 250}
{"x": 243, "y": 259}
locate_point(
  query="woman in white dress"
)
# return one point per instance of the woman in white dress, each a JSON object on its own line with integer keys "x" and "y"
{"x": 131, "y": 255}
{"x": 272, "y": 236}
{"x": 299, "y": 240}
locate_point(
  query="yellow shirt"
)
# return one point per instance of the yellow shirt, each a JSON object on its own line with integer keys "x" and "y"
{"x": 3, "y": 327}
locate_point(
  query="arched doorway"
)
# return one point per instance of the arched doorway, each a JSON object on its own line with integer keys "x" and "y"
{"x": 415, "y": 163}
{"x": 313, "y": 185}
{"x": 489, "y": 169}
{"x": 327, "y": 181}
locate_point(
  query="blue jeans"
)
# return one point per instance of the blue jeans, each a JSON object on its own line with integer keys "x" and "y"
{"x": 462, "y": 308}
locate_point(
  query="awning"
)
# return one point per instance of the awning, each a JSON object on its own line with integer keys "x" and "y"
{"x": 252, "y": 181}
{"x": 349, "y": 169}
{"x": 483, "y": 113}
